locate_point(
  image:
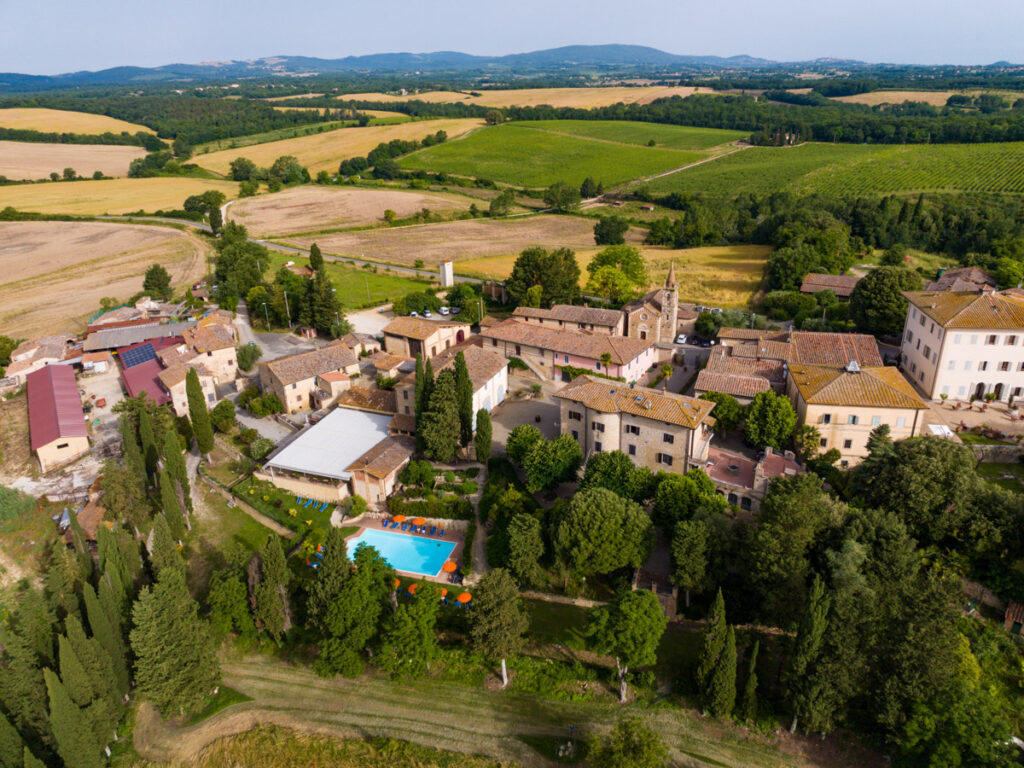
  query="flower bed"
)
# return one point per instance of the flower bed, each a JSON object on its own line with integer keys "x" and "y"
{"x": 281, "y": 506}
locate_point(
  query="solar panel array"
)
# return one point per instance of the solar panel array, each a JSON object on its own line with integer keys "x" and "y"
{"x": 132, "y": 357}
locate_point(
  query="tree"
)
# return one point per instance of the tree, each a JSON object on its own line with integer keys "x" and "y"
{"x": 316, "y": 258}
{"x": 611, "y": 230}
{"x": 157, "y": 282}
{"x": 329, "y": 579}
{"x": 711, "y": 645}
{"x": 174, "y": 463}
{"x": 877, "y": 304}
{"x": 222, "y": 417}
{"x": 107, "y": 633}
{"x": 689, "y": 555}
{"x": 552, "y": 462}
{"x": 728, "y": 411}
{"x": 748, "y": 704}
{"x": 720, "y": 697}
{"x": 611, "y": 283}
{"x": 499, "y": 622}
{"x": 76, "y": 742}
{"x": 615, "y": 471}
{"x": 216, "y": 220}
{"x": 1008, "y": 272}
{"x": 813, "y": 622}
{"x": 408, "y": 640}
{"x": 562, "y": 198}
{"x": 484, "y": 436}
{"x": 534, "y": 297}
{"x": 589, "y": 188}
{"x": 148, "y": 439}
{"x": 678, "y": 497}
{"x": 464, "y": 397}
{"x": 271, "y": 610}
{"x": 160, "y": 545}
{"x": 228, "y": 599}
{"x": 242, "y": 169}
{"x": 525, "y": 549}
{"x": 441, "y": 426}
{"x": 197, "y": 412}
{"x": 556, "y": 272}
{"x": 494, "y": 117}
{"x": 601, "y": 532}
{"x": 521, "y": 442}
{"x": 630, "y": 744}
{"x": 12, "y": 747}
{"x": 807, "y": 442}
{"x": 175, "y": 658}
{"x": 629, "y": 628}
{"x": 31, "y": 761}
{"x": 770, "y": 421}
{"x": 169, "y": 504}
{"x": 501, "y": 206}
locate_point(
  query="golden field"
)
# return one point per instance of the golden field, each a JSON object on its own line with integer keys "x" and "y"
{"x": 63, "y": 121}
{"x": 30, "y": 160}
{"x": 113, "y": 196}
{"x": 583, "y": 98}
{"x": 324, "y": 151}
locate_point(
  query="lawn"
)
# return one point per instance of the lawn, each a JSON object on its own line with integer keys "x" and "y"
{"x": 996, "y": 473}
{"x": 630, "y": 132}
{"x": 356, "y": 287}
{"x": 113, "y": 196}
{"x": 972, "y": 438}
{"x": 854, "y": 169}
{"x": 280, "y": 505}
{"x": 529, "y": 157}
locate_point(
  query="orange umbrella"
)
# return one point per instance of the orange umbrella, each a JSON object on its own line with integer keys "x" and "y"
{"x": 399, "y": 518}
{"x": 464, "y": 597}
{"x": 397, "y": 583}
{"x": 419, "y": 521}
{"x": 449, "y": 567}
{"x": 444, "y": 591}
{"x": 412, "y": 589}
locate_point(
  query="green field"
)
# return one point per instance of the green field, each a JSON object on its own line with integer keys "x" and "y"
{"x": 529, "y": 157}
{"x": 857, "y": 169}
{"x": 357, "y": 287}
{"x": 629, "y": 132}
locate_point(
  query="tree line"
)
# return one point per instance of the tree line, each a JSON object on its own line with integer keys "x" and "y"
{"x": 139, "y": 139}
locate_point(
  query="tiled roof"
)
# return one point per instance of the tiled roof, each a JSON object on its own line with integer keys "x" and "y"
{"x": 622, "y": 349}
{"x": 418, "y": 327}
{"x": 332, "y": 376}
{"x": 95, "y": 357}
{"x": 482, "y": 364}
{"x": 209, "y": 338}
{"x": 355, "y": 339}
{"x": 778, "y": 464}
{"x": 123, "y": 337}
{"x": 722, "y": 360}
{"x": 54, "y": 406}
{"x": 768, "y": 349}
{"x": 963, "y": 309}
{"x": 218, "y": 317}
{"x": 652, "y": 301}
{"x": 611, "y": 397}
{"x": 368, "y": 399}
{"x": 385, "y": 361}
{"x": 385, "y": 457}
{"x": 813, "y": 348}
{"x": 963, "y": 279}
{"x": 176, "y": 374}
{"x": 879, "y": 387}
{"x": 572, "y": 314}
{"x": 176, "y": 354}
{"x": 402, "y": 422}
{"x": 43, "y": 346}
{"x": 306, "y": 365}
{"x": 752, "y": 333}
{"x": 840, "y": 285}
{"x": 730, "y": 468}
{"x": 731, "y": 384}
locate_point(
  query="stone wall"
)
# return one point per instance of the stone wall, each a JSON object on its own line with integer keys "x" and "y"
{"x": 1003, "y": 454}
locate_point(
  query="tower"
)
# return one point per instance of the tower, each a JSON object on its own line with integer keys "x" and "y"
{"x": 670, "y": 304}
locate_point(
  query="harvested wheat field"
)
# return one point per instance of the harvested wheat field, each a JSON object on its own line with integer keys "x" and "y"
{"x": 29, "y": 160}
{"x": 874, "y": 98}
{"x": 63, "y": 121}
{"x": 317, "y": 208}
{"x": 325, "y": 151}
{"x": 113, "y": 196}
{"x": 53, "y": 274}
{"x": 582, "y": 98}
{"x": 296, "y": 96}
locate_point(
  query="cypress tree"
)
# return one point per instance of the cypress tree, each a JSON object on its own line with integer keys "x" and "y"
{"x": 174, "y": 463}
{"x": 148, "y": 439}
{"x": 712, "y": 643}
{"x": 82, "y": 551}
{"x": 131, "y": 451}
{"x": 112, "y": 576}
{"x": 72, "y": 673}
{"x": 76, "y": 743}
{"x": 160, "y": 545}
{"x": 11, "y": 745}
{"x": 22, "y": 690}
{"x": 329, "y": 579}
{"x": 484, "y": 436}
{"x": 464, "y": 395}
{"x": 417, "y": 399}
{"x": 316, "y": 259}
{"x": 806, "y": 649}
{"x": 428, "y": 383}
{"x": 112, "y": 558}
{"x": 108, "y": 637}
{"x": 271, "y": 593}
{"x": 721, "y": 697}
{"x": 169, "y": 502}
{"x": 63, "y": 581}
{"x": 197, "y": 412}
{"x": 94, "y": 660}
{"x": 441, "y": 427}
{"x": 175, "y": 657}
{"x": 748, "y": 706}
{"x": 31, "y": 761}
{"x": 33, "y": 620}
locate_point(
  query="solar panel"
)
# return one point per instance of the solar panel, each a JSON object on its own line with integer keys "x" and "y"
{"x": 137, "y": 356}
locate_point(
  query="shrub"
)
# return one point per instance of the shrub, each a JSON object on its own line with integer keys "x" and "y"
{"x": 467, "y": 548}
{"x": 260, "y": 448}
{"x": 247, "y": 436}
{"x": 449, "y": 476}
{"x": 248, "y": 355}
{"x": 223, "y": 416}
{"x": 468, "y": 488}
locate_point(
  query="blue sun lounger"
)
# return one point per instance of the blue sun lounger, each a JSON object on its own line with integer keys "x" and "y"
{"x": 433, "y": 530}
{"x": 384, "y": 524}
{"x": 393, "y": 526}
{"x": 405, "y": 526}
{"x": 299, "y": 499}
{"x": 322, "y": 507}
{"x": 441, "y": 533}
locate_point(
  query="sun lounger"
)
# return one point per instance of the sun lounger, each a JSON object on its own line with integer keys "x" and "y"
{"x": 405, "y": 526}
{"x": 393, "y": 526}
{"x": 433, "y": 530}
{"x": 441, "y": 533}
{"x": 308, "y": 502}
{"x": 385, "y": 523}
{"x": 323, "y": 506}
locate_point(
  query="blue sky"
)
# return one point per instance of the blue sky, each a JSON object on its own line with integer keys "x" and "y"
{"x": 52, "y": 36}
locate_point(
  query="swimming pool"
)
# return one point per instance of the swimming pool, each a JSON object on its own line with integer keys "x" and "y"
{"x": 413, "y": 554}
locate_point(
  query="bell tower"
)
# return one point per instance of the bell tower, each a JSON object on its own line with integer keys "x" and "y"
{"x": 670, "y": 304}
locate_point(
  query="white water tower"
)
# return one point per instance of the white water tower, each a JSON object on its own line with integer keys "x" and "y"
{"x": 447, "y": 274}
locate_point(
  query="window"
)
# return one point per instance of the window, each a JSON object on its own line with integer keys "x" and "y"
{"x": 920, "y": 376}
{"x": 826, "y": 418}
{"x": 597, "y": 447}
{"x": 519, "y": 350}
{"x": 1020, "y": 366}
{"x": 968, "y": 364}
{"x": 957, "y": 337}
{"x": 844, "y": 463}
{"x": 62, "y": 445}
{"x": 974, "y": 338}
{"x": 565, "y": 358}
{"x": 927, "y": 351}
{"x": 1016, "y": 392}
{"x": 983, "y": 365}
{"x": 575, "y": 435}
{"x": 910, "y": 336}
{"x": 876, "y": 420}
{"x": 901, "y": 421}
{"x": 597, "y": 426}
{"x": 575, "y": 416}
{"x": 597, "y": 365}
{"x": 295, "y": 385}
{"x": 913, "y": 312}
{"x": 921, "y": 319}
{"x": 913, "y": 367}
{"x": 932, "y": 329}
{"x": 852, "y": 419}
{"x": 1010, "y": 341}
{"x": 632, "y": 429}
{"x": 961, "y": 391}
{"x": 823, "y": 442}
{"x": 847, "y": 443}
{"x": 210, "y": 397}
{"x": 1004, "y": 366}
{"x": 918, "y": 344}
{"x": 991, "y": 339}
{"x": 632, "y": 450}
{"x": 745, "y": 503}
{"x": 934, "y": 358}
{"x": 667, "y": 438}
{"x": 664, "y": 458}
{"x": 407, "y": 410}
{"x": 951, "y": 365}
{"x": 405, "y": 394}
{"x": 939, "y": 334}
{"x": 494, "y": 342}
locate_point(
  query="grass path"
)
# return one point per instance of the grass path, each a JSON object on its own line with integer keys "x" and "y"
{"x": 448, "y": 716}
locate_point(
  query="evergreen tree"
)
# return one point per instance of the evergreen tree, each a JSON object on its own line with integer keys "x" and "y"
{"x": 169, "y": 502}
{"x": 94, "y": 660}
{"x": 800, "y": 692}
{"x": 408, "y": 642}
{"x": 21, "y": 690}
{"x": 122, "y": 598}
{"x": 161, "y": 549}
{"x": 76, "y": 742}
{"x": 174, "y": 463}
{"x": 418, "y": 383}
{"x": 721, "y": 694}
{"x": 73, "y": 675}
{"x": 499, "y": 622}
{"x": 525, "y": 549}
{"x": 175, "y": 657}
{"x": 316, "y": 258}
{"x": 329, "y": 579}
{"x": 484, "y": 436}
{"x": 33, "y": 620}
{"x": 82, "y": 551}
{"x": 148, "y": 439}
{"x": 108, "y": 636}
{"x": 31, "y": 761}
{"x": 712, "y": 643}
{"x": 12, "y": 747}
{"x": 441, "y": 426}
{"x": 198, "y": 413}
{"x": 230, "y": 610}
{"x": 326, "y": 308}
{"x": 63, "y": 580}
{"x": 272, "y": 611}
{"x": 690, "y": 555}
{"x": 112, "y": 560}
{"x": 748, "y": 706}
{"x": 464, "y": 398}
{"x": 628, "y": 628}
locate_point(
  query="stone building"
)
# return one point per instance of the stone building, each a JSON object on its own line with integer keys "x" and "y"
{"x": 655, "y": 317}
{"x": 294, "y": 379}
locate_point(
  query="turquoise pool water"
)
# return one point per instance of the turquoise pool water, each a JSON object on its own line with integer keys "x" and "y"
{"x": 413, "y": 554}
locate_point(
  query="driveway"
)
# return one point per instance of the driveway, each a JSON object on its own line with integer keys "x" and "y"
{"x": 268, "y": 428}
{"x": 274, "y": 345}
{"x": 371, "y": 321}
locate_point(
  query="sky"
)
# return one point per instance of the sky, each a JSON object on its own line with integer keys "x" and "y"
{"x": 53, "y": 36}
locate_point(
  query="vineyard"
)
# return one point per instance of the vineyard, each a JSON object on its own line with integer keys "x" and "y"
{"x": 631, "y": 132}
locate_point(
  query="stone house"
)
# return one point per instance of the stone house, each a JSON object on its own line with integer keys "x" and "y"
{"x": 744, "y": 481}
{"x": 411, "y": 336}
{"x": 574, "y": 318}
{"x": 294, "y": 379}
{"x": 38, "y": 353}
{"x": 375, "y": 472}
{"x": 173, "y": 382}
{"x": 655, "y": 317}
{"x": 488, "y": 373}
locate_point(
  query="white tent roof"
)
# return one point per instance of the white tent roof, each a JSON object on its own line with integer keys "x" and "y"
{"x": 326, "y": 448}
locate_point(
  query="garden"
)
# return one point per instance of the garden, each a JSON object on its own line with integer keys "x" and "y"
{"x": 284, "y": 507}
{"x": 437, "y": 494}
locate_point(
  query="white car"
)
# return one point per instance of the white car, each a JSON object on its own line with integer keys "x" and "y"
{"x": 414, "y": 314}
{"x": 426, "y": 313}
{"x": 681, "y": 338}
{"x": 443, "y": 310}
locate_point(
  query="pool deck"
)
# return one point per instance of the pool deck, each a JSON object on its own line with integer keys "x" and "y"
{"x": 455, "y": 536}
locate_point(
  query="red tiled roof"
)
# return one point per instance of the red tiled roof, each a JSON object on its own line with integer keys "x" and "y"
{"x": 811, "y": 348}
{"x": 840, "y": 285}
{"x": 54, "y": 406}
{"x": 622, "y": 349}
{"x": 145, "y": 377}
{"x": 731, "y": 468}
{"x": 731, "y": 384}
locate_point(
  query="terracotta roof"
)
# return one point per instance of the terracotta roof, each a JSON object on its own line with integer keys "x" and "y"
{"x": 651, "y": 300}
{"x": 385, "y": 457}
{"x": 489, "y": 321}
{"x": 418, "y": 327}
{"x": 752, "y": 333}
{"x": 176, "y": 374}
{"x": 385, "y": 361}
{"x": 332, "y": 376}
{"x": 1014, "y": 612}
{"x": 611, "y": 397}
{"x": 622, "y": 349}
{"x": 572, "y": 314}
{"x": 54, "y": 406}
{"x": 402, "y": 422}
{"x": 209, "y": 338}
{"x": 730, "y": 468}
{"x": 778, "y": 464}
{"x": 840, "y": 285}
{"x": 368, "y": 399}
{"x": 217, "y": 317}
{"x": 722, "y": 360}
{"x": 145, "y": 377}
{"x": 176, "y": 354}
{"x": 771, "y": 350}
{"x": 355, "y": 339}
{"x": 306, "y": 365}
{"x": 963, "y": 279}
{"x": 90, "y": 517}
{"x": 731, "y": 384}
{"x": 813, "y": 348}
{"x": 482, "y": 364}
{"x": 95, "y": 357}
{"x": 879, "y": 387}
{"x": 962, "y": 309}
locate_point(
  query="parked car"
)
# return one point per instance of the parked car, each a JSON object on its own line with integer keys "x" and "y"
{"x": 414, "y": 314}
{"x": 681, "y": 338}
{"x": 455, "y": 310}
{"x": 716, "y": 310}
{"x": 443, "y": 310}
{"x": 427, "y": 313}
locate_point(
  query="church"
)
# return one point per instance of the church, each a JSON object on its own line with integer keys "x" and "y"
{"x": 655, "y": 316}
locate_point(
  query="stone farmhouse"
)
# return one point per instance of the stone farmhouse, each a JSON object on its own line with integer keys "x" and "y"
{"x": 411, "y": 336}
{"x": 294, "y": 379}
